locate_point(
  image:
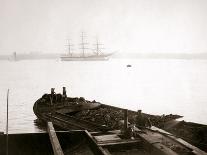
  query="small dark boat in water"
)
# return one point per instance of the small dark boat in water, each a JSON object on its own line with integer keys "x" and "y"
{"x": 111, "y": 129}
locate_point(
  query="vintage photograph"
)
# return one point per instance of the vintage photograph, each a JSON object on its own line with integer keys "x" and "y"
{"x": 103, "y": 77}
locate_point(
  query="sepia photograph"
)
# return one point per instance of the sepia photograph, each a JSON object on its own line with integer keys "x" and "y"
{"x": 103, "y": 77}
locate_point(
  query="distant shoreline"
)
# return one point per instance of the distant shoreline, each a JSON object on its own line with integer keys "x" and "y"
{"x": 162, "y": 55}
{"x": 186, "y": 56}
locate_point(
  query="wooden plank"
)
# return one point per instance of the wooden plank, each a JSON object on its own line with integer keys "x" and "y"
{"x": 111, "y": 137}
{"x": 155, "y": 142}
{"x": 194, "y": 149}
{"x": 119, "y": 142}
{"x": 54, "y": 140}
{"x": 163, "y": 150}
{"x": 94, "y": 146}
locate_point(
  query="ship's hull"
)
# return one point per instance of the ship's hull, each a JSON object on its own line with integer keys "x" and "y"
{"x": 103, "y": 57}
{"x": 68, "y": 58}
{"x": 80, "y": 114}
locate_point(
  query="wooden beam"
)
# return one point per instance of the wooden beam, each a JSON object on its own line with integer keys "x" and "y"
{"x": 120, "y": 143}
{"x": 94, "y": 146}
{"x": 54, "y": 140}
{"x": 125, "y": 120}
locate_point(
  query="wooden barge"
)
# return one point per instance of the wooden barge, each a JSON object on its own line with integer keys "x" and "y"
{"x": 108, "y": 130}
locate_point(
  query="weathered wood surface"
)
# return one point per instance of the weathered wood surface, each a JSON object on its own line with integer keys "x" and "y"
{"x": 98, "y": 149}
{"x": 68, "y": 122}
{"x": 54, "y": 140}
{"x": 194, "y": 149}
{"x": 155, "y": 143}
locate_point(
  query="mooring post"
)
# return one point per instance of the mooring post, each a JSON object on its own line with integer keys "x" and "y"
{"x": 52, "y": 95}
{"x": 125, "y": 120}
{"x": 51, "y": 101}
{"x": 52, "y": 91}
{"x": 7, "y": 123}
{"x": 64, "y": 92}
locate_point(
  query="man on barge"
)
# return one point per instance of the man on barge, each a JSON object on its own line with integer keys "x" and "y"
{"x": 142, "y": 121}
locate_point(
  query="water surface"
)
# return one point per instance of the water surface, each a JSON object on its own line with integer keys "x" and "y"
{"x": 155, "y": 86}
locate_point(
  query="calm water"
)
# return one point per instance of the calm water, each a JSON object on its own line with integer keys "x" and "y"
{"x": 155, "y": 86}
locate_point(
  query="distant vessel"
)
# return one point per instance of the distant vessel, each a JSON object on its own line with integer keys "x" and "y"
{"x": 13, "y": 56}
{"x": 97, "y": 56}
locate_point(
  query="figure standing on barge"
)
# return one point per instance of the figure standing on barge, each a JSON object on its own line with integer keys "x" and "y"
{"x": 142, "y": 121}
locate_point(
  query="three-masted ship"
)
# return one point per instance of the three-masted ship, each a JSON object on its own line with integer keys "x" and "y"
{"x": 84, "y": 56}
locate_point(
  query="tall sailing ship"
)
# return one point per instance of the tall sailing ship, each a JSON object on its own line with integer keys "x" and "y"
{"x": 95, "y": 56}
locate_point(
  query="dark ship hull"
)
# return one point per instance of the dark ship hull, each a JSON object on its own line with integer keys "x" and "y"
{"x": 80, "y": 114}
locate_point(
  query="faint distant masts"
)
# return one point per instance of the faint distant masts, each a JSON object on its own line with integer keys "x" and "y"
{"x": 15, "y": 56}
{"x": 69, "y": 47}
{"x": 98, "y": 49}
{"x": 83, "y": 44}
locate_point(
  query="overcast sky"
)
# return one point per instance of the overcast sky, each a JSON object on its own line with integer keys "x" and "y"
{"x": 124, "y": 25}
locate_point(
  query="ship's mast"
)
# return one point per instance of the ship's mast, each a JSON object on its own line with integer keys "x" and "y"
{"x": 15, "y": 56}
{"x": 69, "y": 47}
{"x": 98, "y": 49}
{"x": 83, "y": 43}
